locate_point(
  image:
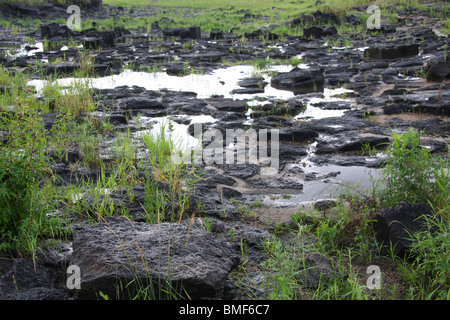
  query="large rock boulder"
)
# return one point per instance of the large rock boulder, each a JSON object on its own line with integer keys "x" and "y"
{"x": 315, "y": 268}
{"x": 316, "y": 32}
{"x": 133, "y": 103}
{"x": 178, "y": 257}
{"x": 300, "y": 134}
{"x": 438, "y": 71}
{"x": 53, "y": 29}
{"x": 391, "y": 51}
{"x": 177, "y": 69}
{"x": 173, "y": 32}
{"x": 243, "y": 235}
{"x": 299, "y": 80}
{"x": 216, "y": 34}
{"x": 396, "y": 225}
{"x": 193, "y": 33}
{"x": 345, "y": 143}
{"x": 261, "y": 33}
{"x": 27, "y": 281}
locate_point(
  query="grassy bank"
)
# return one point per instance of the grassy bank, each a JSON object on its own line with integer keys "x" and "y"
{"x": 247, "y": 16}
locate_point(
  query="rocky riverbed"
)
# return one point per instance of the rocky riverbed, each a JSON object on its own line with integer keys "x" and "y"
{"x": 334, "y": 111}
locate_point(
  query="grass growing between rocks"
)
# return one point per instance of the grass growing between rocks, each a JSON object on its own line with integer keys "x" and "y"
{"x": 27, "y": 193}
{"x": 37, "y": 201}
{"x": 346, "y": 235}
{"x": 74, "y": 99}
{"x": 248, "y": 16}
{"x": 180, "y": 178}
{"x": 236, "y": 16}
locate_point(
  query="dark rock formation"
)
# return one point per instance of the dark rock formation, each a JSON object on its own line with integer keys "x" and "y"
{"x": 175, "y": 256}
{"x": 299, "y": 80}
{"x": 396, "y": 225}
{"x": 391, "y": 51}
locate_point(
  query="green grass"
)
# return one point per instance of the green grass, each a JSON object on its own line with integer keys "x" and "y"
{"x": 429, "y": 272}
{"x": 262, "y": 64}
{"x": 179, "y": 178}
{"x": 446, "y": 29}
{"x": 346, "y": 234}
{"x": 25, "y": 199}
{"x": 213, "y": 4}
{"x": 26, "y": 2}
{"x": 412, "y": 174}
{"x": 287, "y": 274}
{"x": 209, "y": 15}
{"x": 228, "y": 16}
{"x": 25, "y": 223}
{"x": 75, "y": 99}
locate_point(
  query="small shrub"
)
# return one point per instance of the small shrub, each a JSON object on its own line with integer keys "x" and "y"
{"x": 411, "y": 174}
{"x": 16, "y": 177}
{"x": 22, "y": 165}
{"x": 261, "y": 64}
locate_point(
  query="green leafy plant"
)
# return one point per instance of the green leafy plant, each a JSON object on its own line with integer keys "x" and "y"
{"x": 262, "y": 64}
{"x": 23, "y": 167}
{"x": 295, "y": 61}
{"x": 17, "y": 179}
{"x": 206, "y": 224}
{"x": 411, "y": 174}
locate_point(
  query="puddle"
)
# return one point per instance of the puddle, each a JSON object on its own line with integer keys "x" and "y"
{"x": 24, "y": 50}
{"x": 327, "y": 179}
{"x": 347, "y": 48}
{"x": 30, "y": 50}
{"x": 408, "y": 78}
{"x": 329, "y": 95}
{"x": 220, "y": 82}
{"x": 332, "y": 179}
{"x": 178, "y": 133}
{"x": 362, "y": 49}
{"x": 324, "y": 182}
{"x": 280, "y": 48}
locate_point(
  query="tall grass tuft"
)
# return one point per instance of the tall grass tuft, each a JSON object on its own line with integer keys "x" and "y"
{"x": 170, "y": 184}
{"x": 75, "y": 98}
